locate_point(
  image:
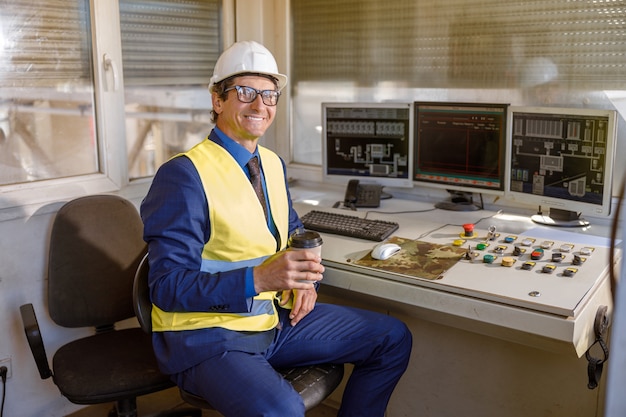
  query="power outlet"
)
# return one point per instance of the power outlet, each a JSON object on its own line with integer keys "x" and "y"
{"x": 6, "y": 362}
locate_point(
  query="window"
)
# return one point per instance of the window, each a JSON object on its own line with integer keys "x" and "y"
{"x": 97, "y": 92}
{"x": 169, "y": 49}
{"x": 451, "y": 50}
{"x": 46, "y": 79}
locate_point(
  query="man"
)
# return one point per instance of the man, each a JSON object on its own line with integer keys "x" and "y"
{"x": 230, "y": 303}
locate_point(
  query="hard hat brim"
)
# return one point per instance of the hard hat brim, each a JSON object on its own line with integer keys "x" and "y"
{"x": 280, "y": 78}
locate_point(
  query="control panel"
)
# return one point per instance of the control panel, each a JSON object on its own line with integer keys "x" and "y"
{"x": 552, "y": 274}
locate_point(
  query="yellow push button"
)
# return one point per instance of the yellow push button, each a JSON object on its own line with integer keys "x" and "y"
{"x": 508, "y": 261}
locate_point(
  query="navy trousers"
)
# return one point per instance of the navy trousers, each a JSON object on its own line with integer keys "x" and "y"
{"x": 240, "y": 384}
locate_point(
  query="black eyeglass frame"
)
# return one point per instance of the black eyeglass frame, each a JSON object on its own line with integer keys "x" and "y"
{"x": 266, "y": 95}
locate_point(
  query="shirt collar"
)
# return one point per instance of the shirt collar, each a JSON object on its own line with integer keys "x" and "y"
{"x": 238, "y": 152}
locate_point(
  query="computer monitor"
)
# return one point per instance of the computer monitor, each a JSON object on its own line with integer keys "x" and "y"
{"x": 561, "y": 161}
{"x": 460, "y": 147}
{"x": 370, "y": 142}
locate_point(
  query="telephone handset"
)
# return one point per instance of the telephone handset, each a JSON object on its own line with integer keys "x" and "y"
{"x": 362, "y": 195}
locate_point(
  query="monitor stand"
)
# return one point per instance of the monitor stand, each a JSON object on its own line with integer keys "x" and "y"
{"x": 459, "y": 201}
{"x": 560, "y": 218}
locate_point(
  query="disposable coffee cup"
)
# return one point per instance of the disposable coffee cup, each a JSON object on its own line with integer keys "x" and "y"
{"x": 306, "y": 239}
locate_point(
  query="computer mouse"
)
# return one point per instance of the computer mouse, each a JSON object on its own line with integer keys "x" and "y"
{"x": 384, "y": 251}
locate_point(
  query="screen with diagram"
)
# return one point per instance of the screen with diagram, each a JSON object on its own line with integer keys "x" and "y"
{"x": 367, "y": 141}
{"x": 562, "y": 161}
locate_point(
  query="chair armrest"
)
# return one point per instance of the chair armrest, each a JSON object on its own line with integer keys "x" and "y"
{"x": 35, "y": 341}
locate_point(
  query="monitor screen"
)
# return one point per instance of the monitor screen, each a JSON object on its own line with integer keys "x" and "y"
{"x": 561, "y": 160}
{"x": 370, "y": 142}
{"x": 460, "y": 146}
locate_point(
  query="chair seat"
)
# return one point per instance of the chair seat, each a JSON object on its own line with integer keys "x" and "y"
{"x": 314, "y": 383}
{"x": 108, "y": 366}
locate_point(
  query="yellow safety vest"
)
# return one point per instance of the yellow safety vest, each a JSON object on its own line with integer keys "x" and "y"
{"x": 239, "y": 235}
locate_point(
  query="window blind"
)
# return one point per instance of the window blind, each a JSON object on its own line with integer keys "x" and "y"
{"x": 47, "y": 43}
{"x": 169, "y": 41}
{"x": 459, "y": 43}
{"x": 44, "y": 43}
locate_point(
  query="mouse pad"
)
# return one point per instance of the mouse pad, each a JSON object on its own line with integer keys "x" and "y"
{"x": 416, "y": 258}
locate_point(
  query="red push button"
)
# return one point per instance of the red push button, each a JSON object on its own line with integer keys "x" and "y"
{"x": 469, "y": 229}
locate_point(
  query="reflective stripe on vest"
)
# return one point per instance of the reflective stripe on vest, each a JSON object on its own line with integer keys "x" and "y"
{"x": 262, "y": 316}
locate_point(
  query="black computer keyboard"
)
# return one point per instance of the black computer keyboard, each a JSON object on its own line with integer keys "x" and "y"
{"x": 347, "y": 225}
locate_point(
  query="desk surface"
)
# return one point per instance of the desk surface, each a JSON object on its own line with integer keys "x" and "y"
{"x": 552, "y": 304}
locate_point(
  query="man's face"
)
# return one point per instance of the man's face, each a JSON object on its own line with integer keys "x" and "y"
{"x": 245, "y": 122}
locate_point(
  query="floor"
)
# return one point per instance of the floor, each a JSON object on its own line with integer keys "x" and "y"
{"x": 151, "y": 405}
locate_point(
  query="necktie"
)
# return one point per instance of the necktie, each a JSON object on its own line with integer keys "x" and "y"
{"x": 255, "y": 179}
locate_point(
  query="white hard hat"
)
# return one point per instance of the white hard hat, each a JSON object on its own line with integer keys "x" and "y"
{"x": 246, "y": 57}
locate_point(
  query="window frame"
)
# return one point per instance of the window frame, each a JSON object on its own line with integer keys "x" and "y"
{"x": 109, "y": 115}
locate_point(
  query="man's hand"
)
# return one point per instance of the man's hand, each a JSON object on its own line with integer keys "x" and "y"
{"x": 303, "y": 303}
{"x": 288, "y": 270}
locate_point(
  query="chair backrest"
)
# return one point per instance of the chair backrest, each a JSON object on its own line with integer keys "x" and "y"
{"x": 141, "y": 296}
{"x": 96, "y": 244}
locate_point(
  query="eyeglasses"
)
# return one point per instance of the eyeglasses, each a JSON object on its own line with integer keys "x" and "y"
{"x": 248, "y": 94}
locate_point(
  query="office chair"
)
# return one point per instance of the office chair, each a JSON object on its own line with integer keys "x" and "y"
{"x": 314, "y": 383}
{"x": 95, "y": 248}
